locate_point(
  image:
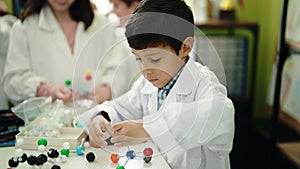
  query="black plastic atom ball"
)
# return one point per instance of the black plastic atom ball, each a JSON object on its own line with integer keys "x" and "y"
{"x": 43, "y": 157}
{"x": 39, "y": 161}
{"x": 52, "y": 153}
{"x": 147, "y": 159}
{"x": 12, "y": 163}
{"x": 55, "y": 167}
{"x": 90, "y": 157}
{"x": 31, "y": 160}
{"x": 23, "y": 158}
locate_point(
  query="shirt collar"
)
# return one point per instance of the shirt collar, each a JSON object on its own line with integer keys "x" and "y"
{"x": 188, "y": 74}
{"x": 171, "y": 83}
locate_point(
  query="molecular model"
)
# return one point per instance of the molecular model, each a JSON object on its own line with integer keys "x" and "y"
{"x": 80, "y": 150}
{"x": 130, "y": 154}
{"x": 83, "y": 91}
{"x": 49, "y": 155}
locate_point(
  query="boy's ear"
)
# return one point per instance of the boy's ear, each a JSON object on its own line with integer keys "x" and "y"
{"x": 187, "y": 46}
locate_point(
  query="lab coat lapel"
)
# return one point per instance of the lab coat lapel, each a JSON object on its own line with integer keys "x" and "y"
{"x": 48, "y": 23}
{"x": 182, "y": 89}
{"x": 83, "y": 36}
{"x": 150, "y": 91}
{"x": 80, "y": 39}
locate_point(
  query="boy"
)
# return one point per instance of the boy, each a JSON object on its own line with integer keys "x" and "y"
{"x": 177, "y": 103}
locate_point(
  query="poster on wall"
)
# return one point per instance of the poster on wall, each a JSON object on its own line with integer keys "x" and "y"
{"x": 293, "y": 21}
{"x": 290, "y": 87}
{"x": 290, "y": 83}
{"x": 291, "y": 103}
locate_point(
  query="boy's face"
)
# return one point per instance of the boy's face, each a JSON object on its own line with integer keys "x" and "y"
{"x": 159, "y": 65}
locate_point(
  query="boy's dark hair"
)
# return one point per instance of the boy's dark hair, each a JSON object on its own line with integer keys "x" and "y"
{"x": 160, "y": 22}
{"x": 80, "y": 10}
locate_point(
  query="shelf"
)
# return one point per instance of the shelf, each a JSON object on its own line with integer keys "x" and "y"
{"x": 291, "y": 150}
{"x": 226, "y": 24}
{"x": 289, "y": 121}
{"x": 293, "y": 44}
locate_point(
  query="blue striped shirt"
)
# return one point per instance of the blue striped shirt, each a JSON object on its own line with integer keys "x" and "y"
{"x": 164, "y": 91}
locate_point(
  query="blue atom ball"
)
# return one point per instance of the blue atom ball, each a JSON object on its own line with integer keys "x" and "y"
{"x": 130, "y": 154}
{"x": 79, "y": 150}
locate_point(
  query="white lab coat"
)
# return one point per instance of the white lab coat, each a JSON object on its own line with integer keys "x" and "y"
{"x": 39, "y": 52}
{"x": 6, "y": 23}
{"x": 194, "y": 127}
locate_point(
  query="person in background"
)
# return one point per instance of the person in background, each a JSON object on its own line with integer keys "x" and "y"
{"x": 123, "y": 9}
{"x": 6, "y": 23}
{"x": 45, "y": 45}
{"x": 178, "y": 103}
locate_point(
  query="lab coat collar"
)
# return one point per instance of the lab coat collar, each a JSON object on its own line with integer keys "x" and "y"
{"x": 47, "y": 19}
{"x": 97, "y": 23}
{"x": 186, "y": 82}
{"x": 186, "y": 78}
{"x": 148, "y": 88}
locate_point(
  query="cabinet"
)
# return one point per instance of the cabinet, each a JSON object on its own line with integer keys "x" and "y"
{"x": 237, "y": 57}
{"x": 290, "y": 150}
{"x": 236, "y": 43}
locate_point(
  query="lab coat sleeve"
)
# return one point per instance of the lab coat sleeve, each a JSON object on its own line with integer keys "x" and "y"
{"x": 18, "y": 81}
{"x": 125, "y": 107}
{"x": 218, "y": 145}
{"x": 87, "y": 117}
{"x": 6, "y": 23}
{"x": 199, "y": 132}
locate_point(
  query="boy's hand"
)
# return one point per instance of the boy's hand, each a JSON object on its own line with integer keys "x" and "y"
{"x": 96, "y": 132}
{"x": 129, "y": 133}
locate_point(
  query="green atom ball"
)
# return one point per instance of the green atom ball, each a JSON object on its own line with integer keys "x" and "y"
{"x": 65, "y": 152}
{"x": 120, "y": 167}
{"x": 42, "y": 141}
{"x": 68, "y": 82}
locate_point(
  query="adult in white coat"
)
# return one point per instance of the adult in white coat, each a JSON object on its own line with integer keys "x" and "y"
{"x": 123, "y": 9}
{"x": 178, "y": 103}
{"x": 6, "y": 22}
{"x": 45, "y": 48}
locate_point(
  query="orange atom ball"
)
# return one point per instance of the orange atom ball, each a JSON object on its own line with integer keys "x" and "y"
{"x": 114, "y": 158}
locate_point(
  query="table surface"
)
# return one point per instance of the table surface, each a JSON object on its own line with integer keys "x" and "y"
{"x": 102, "y": 158}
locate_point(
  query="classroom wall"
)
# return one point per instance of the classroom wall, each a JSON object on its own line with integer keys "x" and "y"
{"x": 267, "y": 13}
{"x": 9, "y": 5}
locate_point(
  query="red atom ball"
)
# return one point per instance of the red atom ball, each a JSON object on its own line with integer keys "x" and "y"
{"x": 88, "y": 77}
{"x": 148, "y": 152}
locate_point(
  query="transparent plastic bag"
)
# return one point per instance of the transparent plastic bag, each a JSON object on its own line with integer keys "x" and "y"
{"x": 31, "y": 108}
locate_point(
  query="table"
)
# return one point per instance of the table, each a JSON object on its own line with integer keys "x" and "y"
{"x": 102, "y": 158}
